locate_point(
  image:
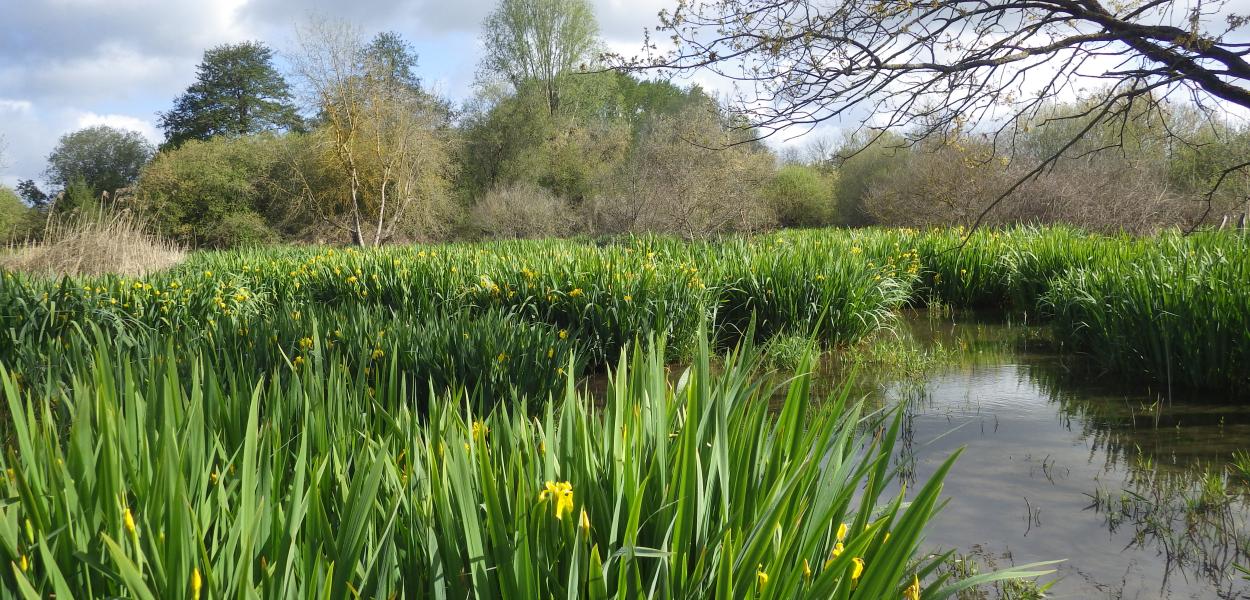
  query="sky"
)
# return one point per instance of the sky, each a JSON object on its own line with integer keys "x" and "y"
{"x": 69, "y": 64}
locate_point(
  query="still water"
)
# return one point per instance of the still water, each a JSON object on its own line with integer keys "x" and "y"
{"x": 1133, "y": 488}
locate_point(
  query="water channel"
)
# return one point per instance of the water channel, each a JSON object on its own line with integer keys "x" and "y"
{"x": 1133, "y": 486}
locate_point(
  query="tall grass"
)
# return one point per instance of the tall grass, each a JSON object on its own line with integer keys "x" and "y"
{"x": 1169, "y": 307}
{"x": 93, "y": 245}
{"x": 1177, "y": 310}
{"x": 138, "y": 479}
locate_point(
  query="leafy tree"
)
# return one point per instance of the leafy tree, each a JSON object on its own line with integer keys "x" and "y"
{"x": 29, "y": 191}
{"x": 539, "y": 40}
{"x": 517, "y": 140}
{"x": 237, "y": 91}
{"x": 640, "y": 100}
{"x": 394, "y": 60}
{"x": 77, "y": 199}
{"x": 863, "y": 165}
{"x": 378, "y": 164}
{"x": 104, "y": 158}
{"x": 15, "y": 217}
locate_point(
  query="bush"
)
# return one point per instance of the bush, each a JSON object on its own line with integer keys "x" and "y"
{"x": 215, "y": 193}
{"x": 15, "y": 217}
{"x": 524, "y": 211}
{"x": 243, "y": 228}
{"x": 801, "y": 196}
{"x": 955, "y": 183}
{"x": 863, "y": 166}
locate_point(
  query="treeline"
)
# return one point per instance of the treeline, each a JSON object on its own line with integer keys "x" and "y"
{"x": 347, "y": 144}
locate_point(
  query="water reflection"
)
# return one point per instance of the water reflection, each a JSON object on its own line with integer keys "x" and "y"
{"x": 1129, "y": 485}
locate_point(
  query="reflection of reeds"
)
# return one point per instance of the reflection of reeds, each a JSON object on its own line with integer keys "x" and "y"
{"x": 1195, "y": 519}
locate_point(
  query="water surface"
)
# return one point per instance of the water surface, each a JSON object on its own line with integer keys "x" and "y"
{"x": 1061, "y": 463}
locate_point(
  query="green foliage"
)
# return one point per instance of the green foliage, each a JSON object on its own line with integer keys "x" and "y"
{"x": 377, "y": 167}
{"x": 210, "y": 480}
{"x": 104, "y": 158}
{"x": 801, "y": 196}
{"x": 78, "y": 199}
{"x": 29, "y": 191}
{"x": 535, "y": 42}
{"x": 1174, "y": 309}
{"x": 15, "y": 217}
{"x": 863, "y": 165}
{"x": 518, "y": 141}
{"x": 217, "y": 193}
{"x": 238, "y": 91}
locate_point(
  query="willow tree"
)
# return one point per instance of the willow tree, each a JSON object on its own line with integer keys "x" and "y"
{"x": 939, "y": 66}
{"x": 377, "y": 164}
{"x": 539, "y": 40}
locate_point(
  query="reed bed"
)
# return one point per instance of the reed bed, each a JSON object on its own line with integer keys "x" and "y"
{"x": 1170, "y": 307}
{"x": 409, "y": 422}
{"x": 139, "y": 480}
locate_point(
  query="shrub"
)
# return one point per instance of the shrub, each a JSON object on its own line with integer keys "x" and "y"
{"x": 243, "y": 228}
{"x": 801, "y": 196}
{"x": 214, "y": 193}
{"x": 524, "y": 211}
{"x": 688, "y": 176}
{"x": 16, "y": 218}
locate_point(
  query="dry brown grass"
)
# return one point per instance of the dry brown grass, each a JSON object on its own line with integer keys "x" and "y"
{"x": 118, "y": 243}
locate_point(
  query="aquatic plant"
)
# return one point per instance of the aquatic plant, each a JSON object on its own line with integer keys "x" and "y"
{"x": 137, "y": 479}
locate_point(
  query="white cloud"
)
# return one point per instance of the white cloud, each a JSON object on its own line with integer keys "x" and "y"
{"x": 90, "y": 119}
{"x": 8, "y": 105}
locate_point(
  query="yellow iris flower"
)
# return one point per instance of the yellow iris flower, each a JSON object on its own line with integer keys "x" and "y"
{"x": 562, "y": 493}
{"x": 913, "y": 591}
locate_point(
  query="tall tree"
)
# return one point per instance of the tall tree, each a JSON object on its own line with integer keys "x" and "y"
{"x": 539, "y": 40}
{"x": 103, "y": 158}
{"x": 393, "y": 59}
{"x": 379, "y": 160}
{"x": 933, "y": 66}
{"x": 237, "y": 91}
{"x": 29, "y": 191}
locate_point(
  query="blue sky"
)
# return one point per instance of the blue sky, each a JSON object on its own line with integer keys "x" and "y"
{"x": 68, "y": 64}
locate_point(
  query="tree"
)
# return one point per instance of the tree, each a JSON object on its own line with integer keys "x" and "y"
{"x": 515, "y": 139}
{"x": 105, "y": 159}
{"x": 30, "y": 193}
{"x": 801, "y": 196}
{"x": 539, "y": 40}
{"x": 15, "y": 217}
{"x": 932, "y": 66}
{"x": 395, "y": 60}
{"x": 237, "y": 91}
{"x": 861, "y": 164}
{"x": 377, "y": 166}
{"x": 688, "y": 175}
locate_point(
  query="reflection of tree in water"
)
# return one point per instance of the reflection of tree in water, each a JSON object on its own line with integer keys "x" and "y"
{"x": 1177, "y": 497}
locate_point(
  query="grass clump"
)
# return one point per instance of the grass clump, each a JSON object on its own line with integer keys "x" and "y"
{"x": 113, "y": 243}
